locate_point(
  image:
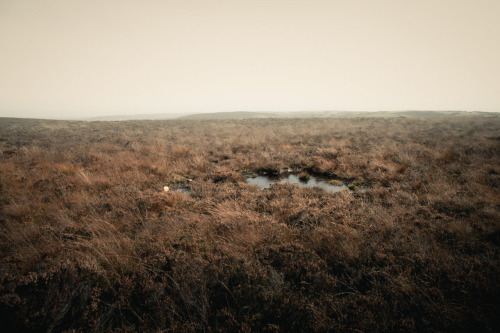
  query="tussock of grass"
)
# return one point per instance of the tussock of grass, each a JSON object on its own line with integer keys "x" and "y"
{"x": 90, "y": 241}
{"x": 336, "y": 182}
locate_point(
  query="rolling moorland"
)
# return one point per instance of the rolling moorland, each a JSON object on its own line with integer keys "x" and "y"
{"x": 90, "y": 241}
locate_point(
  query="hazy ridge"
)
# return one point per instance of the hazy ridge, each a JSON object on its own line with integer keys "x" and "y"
{"x": 291, "y": 114}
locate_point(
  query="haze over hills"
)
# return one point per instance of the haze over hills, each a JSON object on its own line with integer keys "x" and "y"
{"x": 330, "y": 114}
{"x": 151, "y": 116}
{"x": 290, "y": 114}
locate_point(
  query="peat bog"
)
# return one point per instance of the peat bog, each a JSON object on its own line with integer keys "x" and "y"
{"x": 91, "y": 241}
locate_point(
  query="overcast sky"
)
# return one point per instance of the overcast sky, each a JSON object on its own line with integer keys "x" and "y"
{"x": 79, "y": 58}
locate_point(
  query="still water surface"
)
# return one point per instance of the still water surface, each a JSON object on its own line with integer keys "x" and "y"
{"x": 264, "y": 182}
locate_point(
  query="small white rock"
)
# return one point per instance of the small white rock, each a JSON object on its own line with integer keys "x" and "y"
{"x": 166, "y": 189}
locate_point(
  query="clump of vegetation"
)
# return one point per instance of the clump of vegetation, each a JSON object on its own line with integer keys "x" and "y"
{"x": 336, "y": 182}
{"x": 89, "y": 241}
{"x": 304, "y": 176}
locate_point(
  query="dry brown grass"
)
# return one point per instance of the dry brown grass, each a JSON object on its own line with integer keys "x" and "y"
{"x": 90, "y": 242}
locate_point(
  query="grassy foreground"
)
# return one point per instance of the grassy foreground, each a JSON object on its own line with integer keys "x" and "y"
{"x": 89, "y": 240}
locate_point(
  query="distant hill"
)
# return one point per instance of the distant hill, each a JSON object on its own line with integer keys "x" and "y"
{"x": 231, "y": 115}
{"x": 150, "y": 116}
{"x": 290, "y": 114}
{"x": 333, "y": 114}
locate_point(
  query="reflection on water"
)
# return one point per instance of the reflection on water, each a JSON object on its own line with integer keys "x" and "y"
{"x": 264, "y": 182}
{"x": 182, "y": 189}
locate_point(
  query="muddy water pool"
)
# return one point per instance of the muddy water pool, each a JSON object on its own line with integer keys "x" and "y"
{"x": 264, "y": 182}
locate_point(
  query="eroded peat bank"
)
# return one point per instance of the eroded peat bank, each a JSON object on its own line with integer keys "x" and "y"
{"x": 91, "y": 240}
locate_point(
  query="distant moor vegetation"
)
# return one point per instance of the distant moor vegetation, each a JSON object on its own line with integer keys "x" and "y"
{"x": 91, "y": 241}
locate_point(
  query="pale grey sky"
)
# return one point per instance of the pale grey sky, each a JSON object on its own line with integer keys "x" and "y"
{"x": 78, "y": 58}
